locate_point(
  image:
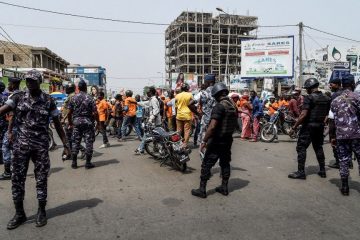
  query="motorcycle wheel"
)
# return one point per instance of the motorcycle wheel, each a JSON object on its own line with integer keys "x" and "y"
{"x": 51, "y": 141}
{"x": 287, "y": 127}
{"x": 152, "y": 149}
{"x": 181, "y": 166}
{"x": 268, "y": 133}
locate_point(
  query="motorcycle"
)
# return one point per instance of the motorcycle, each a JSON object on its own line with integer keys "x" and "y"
{"x": 167, "y": 147}
{"x": 282, "y": 122}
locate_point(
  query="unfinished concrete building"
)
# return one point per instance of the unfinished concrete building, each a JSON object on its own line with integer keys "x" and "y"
{"x": 198, "y": 43}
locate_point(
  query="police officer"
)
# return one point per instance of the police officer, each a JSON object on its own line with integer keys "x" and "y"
{"x": 315, "y": 108}
{"x": 218, "y": 140}
{"x": 82, "y": 115}
{"x": 335, "y": 87}
{"x": 3, "y": 122}
{"x": 70, "y": 91}
{"x": 13, "y": 87}
{"x": 207, "y": 103}
{"x": 32, "y": 110}
{"x": 346, "y": 109}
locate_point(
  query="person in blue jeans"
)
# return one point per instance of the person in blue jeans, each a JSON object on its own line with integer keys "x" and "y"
{"x": 139, "y": 117}
{"x": 154, "y": 115}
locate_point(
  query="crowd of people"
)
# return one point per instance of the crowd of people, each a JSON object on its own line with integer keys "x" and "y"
{"x": 212, "y": 115}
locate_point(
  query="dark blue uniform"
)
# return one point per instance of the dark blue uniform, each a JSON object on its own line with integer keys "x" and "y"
{"x": 32, "y": 142}
{"x": 83, "y": 107}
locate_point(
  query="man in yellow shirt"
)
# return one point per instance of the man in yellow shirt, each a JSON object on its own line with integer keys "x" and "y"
{"x": 184, "y": 106}
{"x": 103, "y": 112}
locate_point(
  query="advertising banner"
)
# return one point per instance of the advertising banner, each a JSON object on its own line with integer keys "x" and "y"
{"x": 237, "y": 83}
{"x": 270, "y": 57}
{"x": 178, "y": 79}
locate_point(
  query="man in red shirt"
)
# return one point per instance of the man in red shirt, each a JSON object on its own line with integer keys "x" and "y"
{"x": 293, "y": 105}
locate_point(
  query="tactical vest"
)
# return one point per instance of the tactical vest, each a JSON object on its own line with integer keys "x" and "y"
{"x": 320, "y": 106}
{"x": 229, "y": 122}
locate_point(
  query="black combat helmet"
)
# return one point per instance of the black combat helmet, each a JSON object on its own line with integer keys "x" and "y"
{"x": 70, "y": 88}
{"x": 128, "y": 93}
{"x": 219, "y": 87}
{"x": 311, "y": 83}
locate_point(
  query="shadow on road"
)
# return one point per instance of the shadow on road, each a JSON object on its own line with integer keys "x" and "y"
{"x": 217, "y": 169}
{"x": 352, "y": 184}
{"x": 69, "y": 208}
{"x": 312, "y": 170}
{"x": 106, "y": 162}
{"x": 234, "y": 185}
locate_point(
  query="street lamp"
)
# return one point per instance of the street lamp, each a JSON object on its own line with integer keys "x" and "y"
{"x": 228, "y": 46}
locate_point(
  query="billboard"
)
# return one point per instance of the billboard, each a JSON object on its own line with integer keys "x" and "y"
{"x": 269, "y": 57}
{"x": 189, "y": 78}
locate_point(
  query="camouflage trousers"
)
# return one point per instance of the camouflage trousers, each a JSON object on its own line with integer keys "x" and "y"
{"x": 332, "y": 135}
{"x": 69, "y": 137}
{"x": 310, "y": 135}
{"x": 3, "y": 130}
{"x": 345, "y": 148}
{"x": 87, "y": 132}
{"x": 217, "y": 151}
{"x": 20, "y": 164}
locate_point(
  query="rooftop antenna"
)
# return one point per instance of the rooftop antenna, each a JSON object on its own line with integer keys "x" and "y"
{"x": 248, "y": 12}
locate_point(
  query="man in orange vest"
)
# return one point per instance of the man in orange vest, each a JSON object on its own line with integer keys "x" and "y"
{"x": 130, "y": 113}
{"x": 103, "y": 112}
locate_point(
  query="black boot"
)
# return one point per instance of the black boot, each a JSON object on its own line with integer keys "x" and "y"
{"x": 201, "y": 192}
{"x": 299, "y": 174}
{"x": 322, "y": 172}
{"x": 7, "y": 172}
{"x": 41, "y": 219}
{"x": 1, "y": 158}
{"x": 74, "y": 161}
{"x": 344, "y": 186}
{"x": 19, "y": 217}
{"x": 223, "y": 189}
{"x": 88, "y": 164}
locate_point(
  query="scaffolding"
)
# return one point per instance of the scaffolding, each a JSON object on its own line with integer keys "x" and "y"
{"x": 197, "y": 42}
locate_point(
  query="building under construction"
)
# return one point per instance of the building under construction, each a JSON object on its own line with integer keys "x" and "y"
{"x": 199, "y": 42}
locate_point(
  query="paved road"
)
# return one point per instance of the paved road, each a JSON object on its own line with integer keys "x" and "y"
{"x": 132, "y": 197}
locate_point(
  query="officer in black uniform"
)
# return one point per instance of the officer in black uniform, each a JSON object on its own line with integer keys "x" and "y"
{"x": 218, "y": 140}
{"x": 314, "y": 111}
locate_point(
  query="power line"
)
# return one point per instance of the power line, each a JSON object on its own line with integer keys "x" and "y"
{"x": 12, "y": 40}
{"x": 313, "y": 39}
{"x": 79, "y": 29}
{"x": 3, "y": 43}
{"x": 9, "y": 41}
{"x": 83, "y": 16}
{"x": 331, "y": 34}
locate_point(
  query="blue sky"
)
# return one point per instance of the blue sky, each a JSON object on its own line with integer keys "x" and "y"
{"x": 130, "y": 56}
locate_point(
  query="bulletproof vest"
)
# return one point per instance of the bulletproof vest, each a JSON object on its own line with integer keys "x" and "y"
{"x": 229, "y": 122}
{"x": 320, "y": 106}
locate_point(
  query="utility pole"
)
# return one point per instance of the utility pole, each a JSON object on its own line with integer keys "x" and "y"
{"x": 301, "y": 29}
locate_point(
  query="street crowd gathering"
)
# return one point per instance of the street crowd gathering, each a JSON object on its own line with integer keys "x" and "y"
{"x": 211, "y": 116}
